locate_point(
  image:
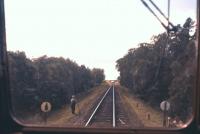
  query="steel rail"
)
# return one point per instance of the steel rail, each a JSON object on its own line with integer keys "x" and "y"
{"x": 114, "y": 107}
{"x": 89, "y": 120}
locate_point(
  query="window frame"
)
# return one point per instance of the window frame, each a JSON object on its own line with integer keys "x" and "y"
{"x": 197, "y": 90}
{"x": 9, "y": 125}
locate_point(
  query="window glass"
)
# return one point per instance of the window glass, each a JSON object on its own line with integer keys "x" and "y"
{"x": 102, "y": 63}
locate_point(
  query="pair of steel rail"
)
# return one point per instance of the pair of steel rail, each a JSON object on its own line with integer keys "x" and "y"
{"x": 100, "y": 103}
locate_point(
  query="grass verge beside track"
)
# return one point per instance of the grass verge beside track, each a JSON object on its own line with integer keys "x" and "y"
{"x": 149, "y": 116}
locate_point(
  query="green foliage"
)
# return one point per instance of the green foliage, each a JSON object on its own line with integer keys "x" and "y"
{"x": 98, "y": 75}
{"x": 163, "y": 70}
{"x": 47, "y": 79}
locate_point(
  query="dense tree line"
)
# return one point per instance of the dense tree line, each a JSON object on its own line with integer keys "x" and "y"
{"x": 47, "y": 79}
{"x": 163, "y": 70}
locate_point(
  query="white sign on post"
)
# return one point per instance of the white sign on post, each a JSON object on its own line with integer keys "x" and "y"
{"x": 45, "y": 107}
{"x": 164, "y": 105}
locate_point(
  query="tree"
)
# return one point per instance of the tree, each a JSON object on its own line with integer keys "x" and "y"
{"x": 98, "y": 75}
{"x": 163, "y": 70}
{"x": 52, "y": 79}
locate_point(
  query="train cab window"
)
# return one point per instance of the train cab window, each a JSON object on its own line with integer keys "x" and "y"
{"x": 103, "y": 64}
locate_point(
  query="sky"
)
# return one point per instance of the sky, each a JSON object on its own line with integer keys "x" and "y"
{"x": 95, "y": 33}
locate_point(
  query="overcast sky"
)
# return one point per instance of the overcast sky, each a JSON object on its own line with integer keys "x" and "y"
{"x": 91, "y": 32}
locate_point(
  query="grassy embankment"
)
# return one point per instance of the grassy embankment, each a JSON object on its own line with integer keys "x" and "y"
{"x": 85, "y": 102}
{"x": 142, "y": 109}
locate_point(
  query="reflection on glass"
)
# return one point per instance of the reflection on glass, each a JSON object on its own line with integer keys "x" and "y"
{"x": 101, "y": 63}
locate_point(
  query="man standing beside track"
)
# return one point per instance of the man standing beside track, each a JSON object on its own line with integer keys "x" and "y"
{"x": 73, "y": 104}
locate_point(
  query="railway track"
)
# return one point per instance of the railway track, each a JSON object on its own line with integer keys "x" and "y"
{"x": 109, "y": 112}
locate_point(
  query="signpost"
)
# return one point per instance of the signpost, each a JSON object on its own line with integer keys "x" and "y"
{"x": 164, "y": 106}
{"x": 45, "y": 108}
